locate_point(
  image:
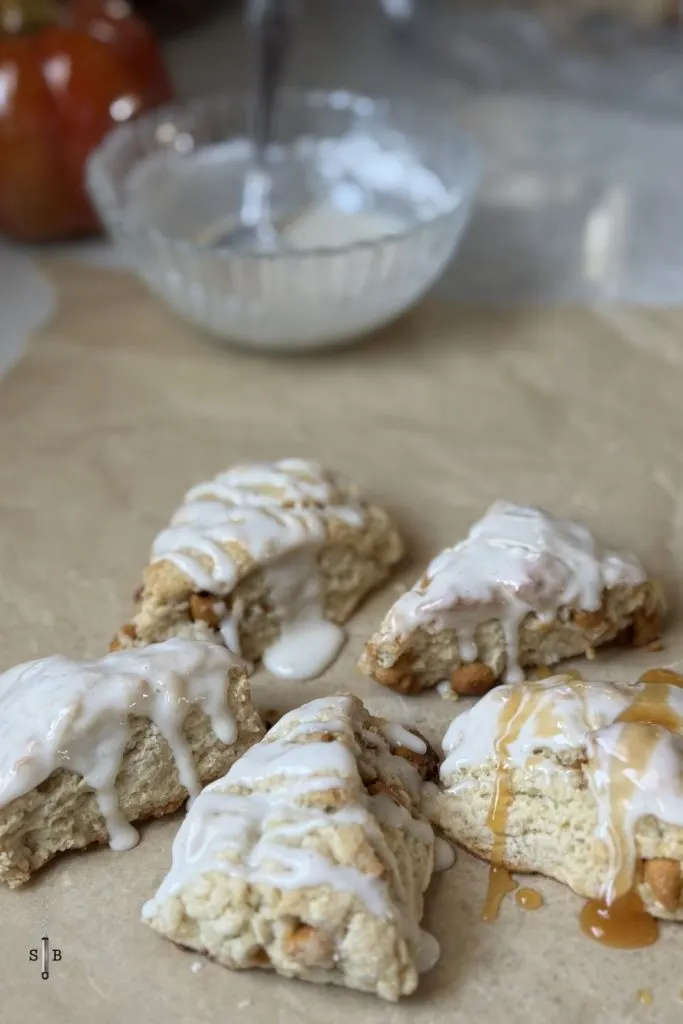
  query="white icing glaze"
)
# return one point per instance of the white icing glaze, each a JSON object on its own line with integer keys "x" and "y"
{"x": 58, "y": 713}
{"x": 242, "y": 825}
{"x": 398, "y": 736}
{"x": 427, "y": 953}
{"x": 635, "y": 764}
{"x": 308, "y": 642}
{"x": 276, "y": 514}
{"x": 514, "y": 561}
{"x": 635, "y": 772}
{"x": 564, "y": 709}
{"x": 444, "y": 855}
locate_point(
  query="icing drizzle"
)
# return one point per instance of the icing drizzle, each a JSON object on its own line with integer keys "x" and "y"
{"x": 633, "y": 737}
{"x": 514, "y": 561}
{"x": 58, "y": 713}
{"x": 255, "y": 822}
{"x": 272, "y": 516}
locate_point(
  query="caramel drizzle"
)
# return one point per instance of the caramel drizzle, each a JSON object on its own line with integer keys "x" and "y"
{"x": 513, "y": 716}
{"x": 623, "y": 922}
{"x": 651, "y": 706}
{"x": 635, "y": 748}
{"x": 662, "y": 675}
{"x": 517, "y": 710}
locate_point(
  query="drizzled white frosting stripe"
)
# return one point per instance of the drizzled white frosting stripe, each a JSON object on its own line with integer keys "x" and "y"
{"x": 267, "y": 509}
{"x": 515, "y": 560}
{"x": 242, "y": 824}
{"x": 272, "y": 516}
{"x": 633, "y": 737}
{"x": 58, "y": 713}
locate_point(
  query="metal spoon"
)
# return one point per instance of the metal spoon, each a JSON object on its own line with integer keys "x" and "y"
{"x": 270, "y": 22}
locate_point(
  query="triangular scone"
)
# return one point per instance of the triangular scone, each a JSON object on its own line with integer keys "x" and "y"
{"x": 269, "y": 559}
{"x": 581, "y": 781}
{"x": 310, "y": 857}
{"x": 88, "y": 747}
{"x": 523, "y": 589}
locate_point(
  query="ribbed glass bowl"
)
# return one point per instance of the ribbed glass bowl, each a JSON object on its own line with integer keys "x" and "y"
{"x": 154, "y": 181}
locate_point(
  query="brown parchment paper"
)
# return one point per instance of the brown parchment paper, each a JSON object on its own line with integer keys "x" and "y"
{"x": 117, "y": 408}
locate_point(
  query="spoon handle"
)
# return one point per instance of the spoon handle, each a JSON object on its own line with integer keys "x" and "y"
{"x": 271, "y": 24}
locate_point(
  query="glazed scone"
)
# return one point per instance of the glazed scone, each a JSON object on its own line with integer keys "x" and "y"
{"x": 86, "y": 748}
{"x": 581, "y": 781}
{"x": 310, "y": 857}
{"x": 270, "y": 559}
{"x": 523, "y": 589}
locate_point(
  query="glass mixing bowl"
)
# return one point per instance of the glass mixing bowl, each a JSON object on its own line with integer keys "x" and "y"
{"x": 376, "y": 194}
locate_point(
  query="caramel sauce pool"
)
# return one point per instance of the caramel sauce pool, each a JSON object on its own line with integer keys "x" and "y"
{"x": 624, "y": 924}
{"x": 529, "y": 899}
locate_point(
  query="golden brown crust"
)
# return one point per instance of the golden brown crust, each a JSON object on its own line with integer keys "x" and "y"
{"x": 202, "y": 609}
{"x": 125, "y": 636}
{"x": 420, "y": 659}
{"x": 645, "y": 628}
{"x": 588, "y": 620}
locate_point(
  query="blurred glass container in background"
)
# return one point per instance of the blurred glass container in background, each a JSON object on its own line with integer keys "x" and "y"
{"x": 385, "y": 189}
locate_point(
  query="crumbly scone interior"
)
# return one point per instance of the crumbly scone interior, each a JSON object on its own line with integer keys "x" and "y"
{"x": 81, "y": 742}
{"x": 582, "y": 781}
{"x": 268, "y": 559}
{"x": 315, "y": 842}
{"x": 523, "y": 589}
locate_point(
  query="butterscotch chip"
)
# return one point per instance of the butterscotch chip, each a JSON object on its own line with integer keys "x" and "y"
{"x": 665, "y": 879}
{"x": 398, "y": 677}
{"x": 202, "y": 609}
{"x": 310, "y": 947}
{"x": 472, "y": 680}
{"x": 588, "y": 620}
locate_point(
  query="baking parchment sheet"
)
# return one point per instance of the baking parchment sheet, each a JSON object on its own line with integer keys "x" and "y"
{"x": 117, "y": 408}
